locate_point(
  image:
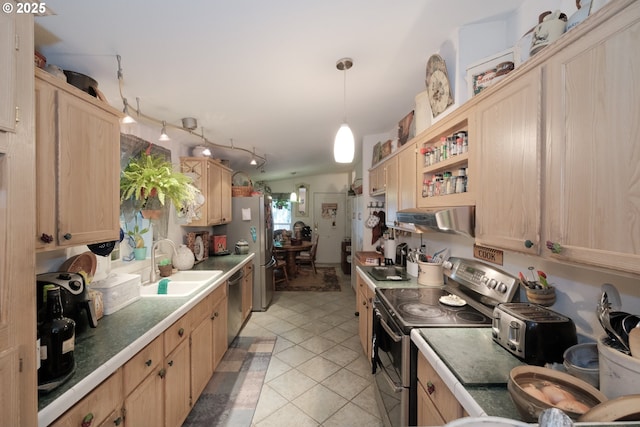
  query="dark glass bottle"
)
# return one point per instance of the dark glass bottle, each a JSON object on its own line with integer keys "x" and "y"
{"x": 57, "y": 340}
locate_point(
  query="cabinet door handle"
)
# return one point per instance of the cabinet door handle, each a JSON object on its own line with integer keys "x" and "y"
{"x": 430, "y": 387}
{"x": 46, "y": 238}
{"x": 528, "y": 243}
{"x": 162, "y": 373}
{"x": 67, "y": 236}
{"x": 148, "y": 362}
{"x": 87, "y": 420}
{"x": 117, "y": 421}
{"x": 181, "y": 332}
{"x": 170, "y": 363}
{"x": 554, "y": 247}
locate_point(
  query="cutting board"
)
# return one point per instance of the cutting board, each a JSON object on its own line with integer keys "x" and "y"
{"x": 472, "y": 355}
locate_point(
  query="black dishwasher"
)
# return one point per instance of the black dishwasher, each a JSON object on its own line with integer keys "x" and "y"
{"x": 234, "y": 305}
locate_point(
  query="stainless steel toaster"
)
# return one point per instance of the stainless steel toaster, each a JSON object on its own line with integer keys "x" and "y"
{"x": 532, "y": 332}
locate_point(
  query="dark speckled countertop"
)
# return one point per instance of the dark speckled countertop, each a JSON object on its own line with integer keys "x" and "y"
{"x": 119, "y": 336}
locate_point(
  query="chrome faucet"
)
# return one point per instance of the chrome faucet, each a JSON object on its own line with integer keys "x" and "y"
{"x": 152, "y": 275}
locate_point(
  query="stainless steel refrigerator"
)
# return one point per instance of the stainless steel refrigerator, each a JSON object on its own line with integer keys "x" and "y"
{"x": 252, "y": 221}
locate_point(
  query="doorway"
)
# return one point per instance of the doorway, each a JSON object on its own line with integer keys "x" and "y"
{"x": 330, "y": 224}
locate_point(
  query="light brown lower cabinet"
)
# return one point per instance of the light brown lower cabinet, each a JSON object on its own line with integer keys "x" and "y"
{"x": 102, "y": 407}
{"x": 364, "y": 297}
{"x": 247, "y": 291}
{"x": 437, "y": 405}
{"x": 159, "y": 385}
{"x": 202, "y": 345}
{"x": 177, "y": 386}
{"x": 220, "y": 333}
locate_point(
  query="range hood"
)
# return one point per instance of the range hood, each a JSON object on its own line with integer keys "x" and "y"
{"x": 455, "y": 220}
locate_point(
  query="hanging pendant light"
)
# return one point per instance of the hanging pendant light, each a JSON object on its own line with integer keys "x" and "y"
{"x": 163, "y": 133}
{"x": 344, "y": 144}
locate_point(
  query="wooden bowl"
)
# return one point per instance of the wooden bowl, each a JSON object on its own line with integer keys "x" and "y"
{"x": 544, "y": 296}
{"x": 530, "y": 407}
{"x": 85, "y": 261}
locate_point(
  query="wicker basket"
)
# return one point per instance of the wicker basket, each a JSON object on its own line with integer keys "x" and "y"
{"x": 238, "y": 191}
{"x": 544, "y": 296}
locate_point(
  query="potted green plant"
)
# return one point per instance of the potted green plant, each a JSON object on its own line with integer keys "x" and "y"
{"x": 281, "y": 204}
{"x": 149, "y": 181}
{"x": 139, "y": 250}
{"x": 165, "y": 267}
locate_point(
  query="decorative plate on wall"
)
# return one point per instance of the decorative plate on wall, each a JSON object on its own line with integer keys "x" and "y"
{"x": 438, "y": 87}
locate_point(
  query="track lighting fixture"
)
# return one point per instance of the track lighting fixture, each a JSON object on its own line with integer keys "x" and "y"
{"x": 189, "y": 125}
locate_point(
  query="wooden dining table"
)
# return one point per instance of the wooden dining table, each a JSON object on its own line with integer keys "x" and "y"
{"x": 291, "y": 251}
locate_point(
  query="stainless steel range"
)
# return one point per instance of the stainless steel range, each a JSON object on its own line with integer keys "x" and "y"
{"x": 467, "y": 300}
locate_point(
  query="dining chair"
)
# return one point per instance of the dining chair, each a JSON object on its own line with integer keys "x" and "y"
{"x": 309, "y": 258}
{"x": 281, "y": 265}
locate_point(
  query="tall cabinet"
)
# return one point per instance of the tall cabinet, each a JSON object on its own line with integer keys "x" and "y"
{"x": 78, "y": 172}
{"x": 18, "y": 383}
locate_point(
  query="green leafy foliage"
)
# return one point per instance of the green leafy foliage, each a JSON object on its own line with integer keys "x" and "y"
{"x": 152, "y": 176}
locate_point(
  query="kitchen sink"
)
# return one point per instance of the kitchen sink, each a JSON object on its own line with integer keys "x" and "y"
{"x": 181, "y": 284}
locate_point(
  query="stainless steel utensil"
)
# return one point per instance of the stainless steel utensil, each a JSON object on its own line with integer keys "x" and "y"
{"x": 604, "y": 316}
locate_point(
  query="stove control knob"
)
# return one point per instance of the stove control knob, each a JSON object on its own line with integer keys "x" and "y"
{"x": 502, "y": 288}
{"x": 492, "y": 283}
{"x": 484, "y": 279}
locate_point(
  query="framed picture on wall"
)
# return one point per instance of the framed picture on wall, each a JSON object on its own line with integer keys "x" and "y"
{"x": 377, "y": 153}
{"x": 489, "y": 71}
{"x": 404, "y": 129}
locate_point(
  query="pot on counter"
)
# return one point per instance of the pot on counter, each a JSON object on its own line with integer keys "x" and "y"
{"x": 242, "y": 247}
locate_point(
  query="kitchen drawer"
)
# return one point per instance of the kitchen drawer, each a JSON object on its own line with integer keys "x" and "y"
{"x": 102, "y": 404}
{"x": 219, "y": 293}
{"x": 201, "y": 311}
{"x": 142, "y": 364}
{"x": 177, "y": 333}
{"x": 442, "y": 398}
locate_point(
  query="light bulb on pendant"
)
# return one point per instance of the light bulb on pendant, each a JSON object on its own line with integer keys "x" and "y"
{"x": 127, "y": 119}
{"x": 253, "y": 161}
{"x": 163, "y": 133}
{"x": 344, "y": 144}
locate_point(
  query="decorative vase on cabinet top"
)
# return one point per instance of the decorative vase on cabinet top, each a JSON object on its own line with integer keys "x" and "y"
{"x": 183, "y": 258}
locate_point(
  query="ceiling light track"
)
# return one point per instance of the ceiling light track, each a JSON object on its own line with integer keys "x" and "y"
{"x": 256, "y": 159}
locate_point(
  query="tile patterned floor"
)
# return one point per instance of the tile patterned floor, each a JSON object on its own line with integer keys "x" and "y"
{"x": 318, "y": 374}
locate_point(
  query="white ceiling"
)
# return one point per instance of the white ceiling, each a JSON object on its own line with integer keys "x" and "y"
{"x": 261, "y": 73}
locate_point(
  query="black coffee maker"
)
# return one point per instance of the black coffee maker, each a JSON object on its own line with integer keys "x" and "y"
{"x": 74, "y": 295}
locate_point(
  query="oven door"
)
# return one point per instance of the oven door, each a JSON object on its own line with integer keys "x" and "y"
{"x": 391, "y": 368}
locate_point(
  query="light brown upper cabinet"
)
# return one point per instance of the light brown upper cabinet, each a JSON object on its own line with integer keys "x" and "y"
{"x": 77, "y": 166}
{"x": 507, "y": 136}
{"x": 593, "y": 147}
{"x": 213, "y": 179}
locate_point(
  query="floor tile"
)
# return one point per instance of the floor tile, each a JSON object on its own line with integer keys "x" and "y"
{"x": 288, "y": 416}
{"x": 269, "y": 402}
{"x": 292, "y": 384}
{"x": 340, "y": 355}
{"x": 297, "y": 335}
{"x": 276, "y": 368}
{"x": 319, "y": 402}
{"x": 318, "y": 368}
{"x": 317, "y": 344}
{"x": 346, "y": 383}
{"x": 353, "y": 416}
{"x": 295, "y": 355}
